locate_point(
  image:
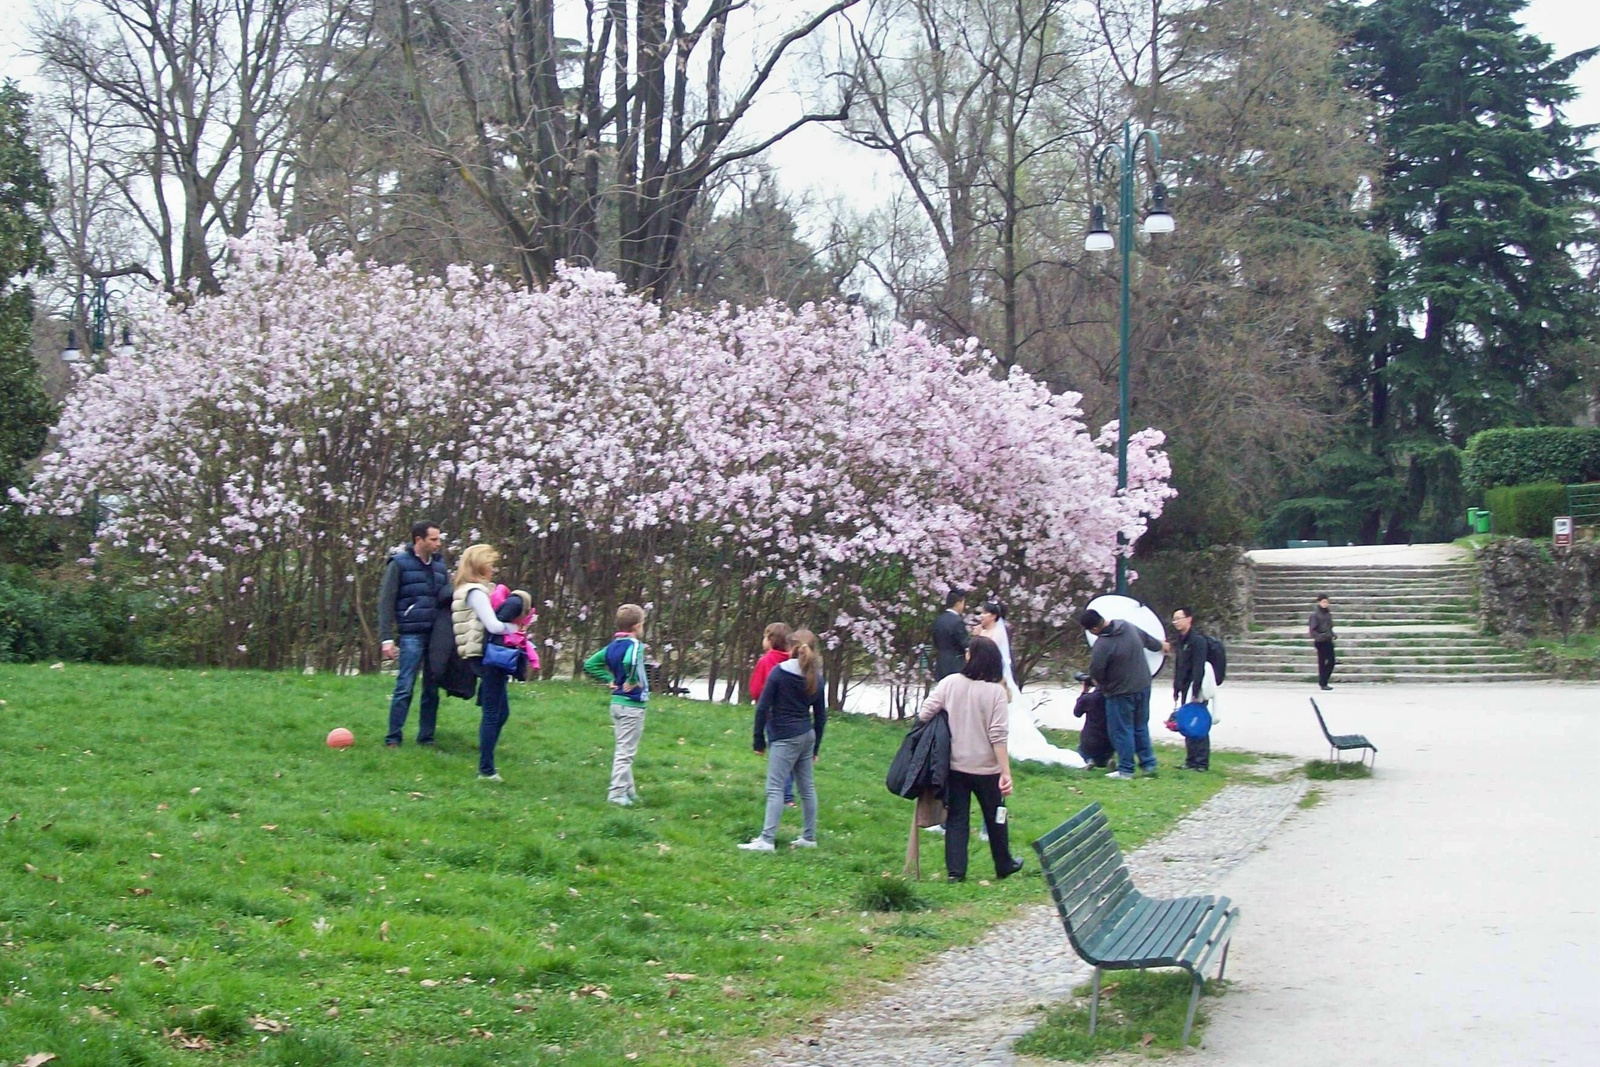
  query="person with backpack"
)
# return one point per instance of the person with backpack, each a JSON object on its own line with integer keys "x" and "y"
{"x": 1200, "y": 662}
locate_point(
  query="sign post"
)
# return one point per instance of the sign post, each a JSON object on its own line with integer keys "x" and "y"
{"x": 1561, "y": 535}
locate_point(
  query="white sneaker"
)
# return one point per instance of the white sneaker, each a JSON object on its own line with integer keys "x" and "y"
{"x": 983, "y": 835}
{"x": 758, "y": 844}
{"x": 622, "y": 802}
{"x": 934, "y": 829}
{"x": 800, "y": 842}
{"x": 1120, "y": 776}
{"x": 490, "y": 777}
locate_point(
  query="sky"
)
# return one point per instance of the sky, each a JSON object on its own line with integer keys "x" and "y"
{"x": 818, "y": 164}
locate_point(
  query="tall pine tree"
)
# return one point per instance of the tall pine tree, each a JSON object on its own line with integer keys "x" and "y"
{"x": 25, "y": 412}
{"x": 1487, "y": 201}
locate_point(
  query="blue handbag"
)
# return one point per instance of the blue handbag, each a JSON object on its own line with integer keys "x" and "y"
{"x": 504, "y": 658}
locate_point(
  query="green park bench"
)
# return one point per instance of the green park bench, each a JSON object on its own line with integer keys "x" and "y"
{"x": 1338, "y": 743}
{"x": 1114, "y": 926}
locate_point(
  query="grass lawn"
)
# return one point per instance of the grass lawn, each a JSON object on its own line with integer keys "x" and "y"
{"x": 183, "y": 861}
{"x": 1140, "y": 1012}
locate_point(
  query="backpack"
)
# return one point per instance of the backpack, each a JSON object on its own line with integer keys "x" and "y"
{"x": 1217, "y": 656}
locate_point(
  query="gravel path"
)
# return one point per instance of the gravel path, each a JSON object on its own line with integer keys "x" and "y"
{"x": 968, "y": 1005}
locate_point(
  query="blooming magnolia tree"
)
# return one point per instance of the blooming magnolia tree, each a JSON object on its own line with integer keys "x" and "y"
{"x": 265, "y": 447}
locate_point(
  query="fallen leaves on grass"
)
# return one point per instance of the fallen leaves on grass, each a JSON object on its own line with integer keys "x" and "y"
{"x": 265, "y": 1025}
{"x": 1146, "y": 1039}
{"x": 187, "y": 1041}
{"x": 429, "y": 983}
{"x": 39, "y": 1059}
{"x": 383, "y": 931}
{"x": 100, "y": 987}
{"x": 676, "y": 976}
{"x": 269, "y": 827}
{"x": 598, "y": 992}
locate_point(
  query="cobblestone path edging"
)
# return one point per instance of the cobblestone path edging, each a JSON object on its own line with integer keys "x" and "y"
{"x": 968, "y": 1005}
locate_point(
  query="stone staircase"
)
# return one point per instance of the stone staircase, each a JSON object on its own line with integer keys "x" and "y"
{"x": 1395, "y": 623}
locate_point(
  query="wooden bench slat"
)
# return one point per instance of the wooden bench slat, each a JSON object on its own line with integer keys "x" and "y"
{"x": 1141, "y": 929}
{"x": 1066, "y": 865}
{"x": 1132, "y": 923}
{"x": 1110, "y": 912}
{"x": 1066, "y": 828}
{"x": 1094, "y": 874}
{"x": 1102, "y": 927}
{"x": 1105, "y": 895}
{"x": 1062, "y": 848}
{"x": 1217, "y": 918}
{"x": 1169, "y": 938}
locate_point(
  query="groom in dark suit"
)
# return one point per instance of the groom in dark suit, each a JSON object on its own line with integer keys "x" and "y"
{"x": 950, "y": 636}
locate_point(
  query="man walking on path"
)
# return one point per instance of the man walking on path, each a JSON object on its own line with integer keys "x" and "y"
{"x": 1117, "y": 665}
{"x": 415, "y": 588}
{"x": 1320, "y": 626}
{"x": 950, "y": 636}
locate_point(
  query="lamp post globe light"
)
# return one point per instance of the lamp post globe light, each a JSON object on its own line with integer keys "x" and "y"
{"x": 1100, "y": 239}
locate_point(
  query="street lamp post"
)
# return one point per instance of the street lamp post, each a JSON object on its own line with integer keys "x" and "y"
{"x": 100, "y": 333}
{"x": 1099, "y": 239}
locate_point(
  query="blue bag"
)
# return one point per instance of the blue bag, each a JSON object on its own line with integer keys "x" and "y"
{"x": 510, "y": 660}
{"x": 1194, "y": 720}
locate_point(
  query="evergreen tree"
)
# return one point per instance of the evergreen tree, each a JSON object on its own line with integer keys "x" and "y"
{"x": 1487, "y": 202}
{"x": 25, "y": 411}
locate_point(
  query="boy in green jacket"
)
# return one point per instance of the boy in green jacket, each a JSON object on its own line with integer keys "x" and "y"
{"x": 621, "y": 665}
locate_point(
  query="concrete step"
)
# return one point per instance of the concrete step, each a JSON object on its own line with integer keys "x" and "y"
{"x": 1350, "y": 602}
{"x": 1440, "y": 658}
{"x": 1415, "y": 570}
{"x": 1398, "y": 678}
{"x": 1308, "y": 583}
{"x": 1395, "y": 624}
{"x": 1372, "y": 639}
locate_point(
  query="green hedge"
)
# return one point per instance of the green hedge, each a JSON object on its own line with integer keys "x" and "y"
{"x": 44, "y": 620}
{"x": 1526, "y": 510}
{"x": 1522, "y": 456}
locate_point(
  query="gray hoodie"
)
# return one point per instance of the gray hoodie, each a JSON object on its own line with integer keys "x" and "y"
{"x": 1117, "y": 663}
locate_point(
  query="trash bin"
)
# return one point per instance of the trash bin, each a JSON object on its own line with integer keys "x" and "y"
{"x": 1480, "y": 519}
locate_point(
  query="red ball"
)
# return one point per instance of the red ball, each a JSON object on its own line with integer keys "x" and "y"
{"x": 339, "y": 737}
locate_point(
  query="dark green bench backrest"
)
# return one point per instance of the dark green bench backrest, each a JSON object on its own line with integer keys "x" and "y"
{"x": 1083, "y": 867}
{"x": 1321, "y": 721}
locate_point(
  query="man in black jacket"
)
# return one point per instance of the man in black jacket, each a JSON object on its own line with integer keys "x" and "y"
{"x": 950, "y": 636}
{"x": 1190, "y": 653}
{"x": 415, "y": 588}
{"x": 1320, "y": 627}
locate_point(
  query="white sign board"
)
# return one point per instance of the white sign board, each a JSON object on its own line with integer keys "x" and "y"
{"x": 1562, "y": 533}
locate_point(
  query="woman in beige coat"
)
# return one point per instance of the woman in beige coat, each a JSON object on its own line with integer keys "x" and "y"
{"x": 976, "y": 702}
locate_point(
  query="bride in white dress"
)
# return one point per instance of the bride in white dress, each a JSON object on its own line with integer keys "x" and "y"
{"x": 1025, "y": 741}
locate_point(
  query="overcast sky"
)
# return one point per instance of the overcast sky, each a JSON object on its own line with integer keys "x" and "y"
{"x": 818, "y": 163}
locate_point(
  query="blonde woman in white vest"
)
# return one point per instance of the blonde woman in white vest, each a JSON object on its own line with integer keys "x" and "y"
{"x": 475, "y": 625}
